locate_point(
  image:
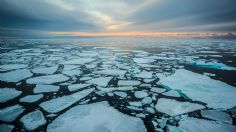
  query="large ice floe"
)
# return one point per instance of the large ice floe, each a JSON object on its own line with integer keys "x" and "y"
{"x": 99, "y": 117}
{"x": 15, "y": 76}
{"x": 60, "y": 103}
{"x": 10, "y": 113}
{"x": 8, "y": 94}
{"x": 48, "y": 79}
{"x": 44, "y": 88}
{"x": 216, "y": 94}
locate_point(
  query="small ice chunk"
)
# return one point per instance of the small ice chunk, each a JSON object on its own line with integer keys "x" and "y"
{"x": 158, "y": 90}
{"x": 85, "y": 78}
{"x": 136, "y": 103}
{"x": 217, "y": 116}
{"x": 74, "y": 72}
{"x": 172, "y": 93}
{"x": 101, "y": 81}
{"x": 48, "y": 79}
{"x": 143, "y": 74}
{"x": 140, "y": 94}
{"x": 143, "y": 60}
{"x": 150, "y": 110}
{"x": 6, "y": 128}
{"x": 191, "y": 124}
{"x": 15, "y": 76}
{"x": 33, "y": 120}
{"x": 173, "y": 107}
{"x": 74, "y": 87}
{"x": 121, "y": 94}
{"x": 31, "y": 98}
{"x": 8, "y": 67}
{"x": 42, "y": 88}
{"x": 8, "y": 94}
{"x": 45, "y": 70}
{"x": 60, "y": 103}
{"x": 128, "y": 83}
{"x": 113, "y": 72}
{"x": 10, "y": 113}
{"x": 95, "y": 117}
{"x": 146, "y": 100}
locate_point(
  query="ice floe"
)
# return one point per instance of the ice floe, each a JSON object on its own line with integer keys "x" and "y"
{"x": 140, "y": 94}
{"x": 8, "y": 94}
{"x": 217, "y": 116}
{"x": 121, "y": 94}
{"x": 146, "y": 100}
{"x": 216, "y": 94}
{"x": 128, "y": 83}
{"x": 74, "y": 87}
{"x": 60, "y": 103}
{"x": 45, "y": 70}
{"x": 79, "y": 61}
{"x": 6, "y": 128}
{"x": 8, "y": 67}
{"x": 15, "y": 76}
{"x": 172, "y": 93}
{"x": 31, "y": 98}
{"x": 173, "y": 107}
{"x": 74, "y": 72}
{"x": 48, "y": 79}
{"x": 143, "y": 60}
{"x": 144, "y": 74}
{"x": 95, "y": 117}
{"x": 33, "y": 120}
{"x": 113, "y": 72}
{"x": 43, "y": 88}
{"x": 101, "y": 81}
{"x": 10, "y": 113}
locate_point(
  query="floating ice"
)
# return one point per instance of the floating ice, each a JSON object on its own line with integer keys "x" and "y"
{"x": 136, "y": 103}
{"x": 79, "y": 61}
{"x": 143, "y": 60}
{"x": 74, "y": 87}
{"x": 146, "y": 100}
{"x": 173, "y": 107}
{"x": 85, "y": 78}
{"x": 74, "y": 72}
{"x": 31, "y": 98}
{"x": 33, "y": 120}
{"x": 69, "y": 67}
{"x": 158, "y": 90}
{"x": 8, "y": 94}
{"x": 143, "y": 74}
{"x": 172, "y": 93}
{"x": 128, "y": 82}
{"x": 140, "y": 94}
{"x": 10, "y": 113}
{"x": 45, "y": 70}
{"x": 216, "y": 94}
{"x": 6, "y": 128}
{"x": 217, "y": 116}
{"x": 48, "y": 79}
{"x": 121, "y": 94}
{"x": 110, "y": 89}
{"x": 42, "y": 88}
{"x": 15, "y": 76}
{"x": 190, "y": 124}
{"x": 113, "y": 72}
{"x": 8, "y": 67}
{"x": 101, "y": 81}
{"x": 60, "y": 103}
{"x": 95, "y": 117}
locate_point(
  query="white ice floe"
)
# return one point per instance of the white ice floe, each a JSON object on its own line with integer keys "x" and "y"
{"x": 143, "y": 74}
{"x": 45, "y": 70}
{"x": 85, "y": 78}
{"x": 190, "y": 124}
{"x": 101, "y": 81}
{"x": 146, "y": 100}
{"x": 31, "y": 98}
{"x": 140, "y": 94}
{"x": 173, "y": 107}
{"x": 6, "y": 128}
{"x": 43, "y": 88}
{"x": 113, "y": 72}
{"x": 121, "y": 94}
{"x": 60, "y": 103}
{"x": 111, "y": 89}
{"x": 172, "y": 93}
{"x": 143, "y": 60}
{"x": 75, "y": 72}
{"x": 79, "y": 61}
{"x": 158, "y": 90}
{"x": 10, "y": 113}
{"x": 216, "y": 94}
{"x": 48, "y": 79}
{"x": 217, "y": 116}
{"x": 8, "y": 94}
{"x": 136, "y": 103}
{"x": 70, "y": 67}
{"x": 8, "y": 67}
{"x": 33, "y": 120}
{"x": 128, "y": 83}
{"x": 95, "y": 117}
{"x": 15, "y": 76}
{"x": 74, "y": 87}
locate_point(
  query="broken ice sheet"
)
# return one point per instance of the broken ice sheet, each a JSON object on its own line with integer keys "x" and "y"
{"x": 47, "y": 79}
{"x": 74, "y": 87}
{"x": 113, "y": 72}
{"x": 121, "y": 94}
{"x": 143, "y": 74}
{"x": 140, "y": 94}
{"x": 60, "y": 103}
{"x": 95, "y": 117}
{"x": 128, "y": 83}
{"x": 8, "y": 94}
{"x": 101, "y": 81}
{"x": 217, "y": 116}
{"x": 173, "y": 107}
{"x": 31, "y": 98}
{"x": 79, "y": 61}
{"x": 10, "y": 113}
{"x": 43, "y": 88}
{"x": 75, "y": 72}
{"x": 15, "y": 76}
{"x": 216, "y": 94}
{"x": 8, "y": 67}
{"x": 6, "y": 128}
{"x": 45, "y": 70}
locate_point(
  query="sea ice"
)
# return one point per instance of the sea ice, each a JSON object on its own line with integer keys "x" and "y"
{"x": 48, "y": 79}
{"x": 217, "y": 116}
{"x": 128, "y": 83}
{"x": 42, "y": 88}
{"x": 143, "y": 60}
{"x": 158, "y": 90}
{"x": 216, "y": 94}
{"x": 113, "y": 72}
{"x": 6, "y": 128}
{"x": 15, "y": 76}
{"x": 74, "y": 72}
{"x": 33, "y": 120}
{"x": 143, "y": 74}
{"x": 136, "y": 103}
{"x": 8, "y": 94}
{"x": 140, "y": 94}
{"x": 121, "y": 94}
{"x": 31, "y": 98}
{"x": 10, "y": 113}
{"x": 95, "y": 117}
{"x": 60, "y": 103}
{"x": 8, "y": 67}
{"x": 173, "y": 107}
{"x": 45, "y": 70}
{"x": 79, "y": 61}
{"x": 74, "y": 87}
{"x": 172, "y": 93}
{"x": 101, "y": 81}
{"x": 146, "y": 100}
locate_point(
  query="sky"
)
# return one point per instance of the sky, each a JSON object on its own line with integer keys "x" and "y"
{"x": 40, "y": 18}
